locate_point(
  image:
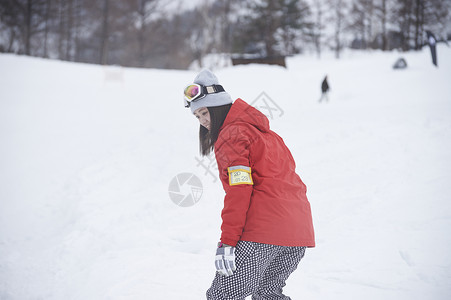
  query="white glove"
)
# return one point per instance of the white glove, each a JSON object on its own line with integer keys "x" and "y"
{"x": 225, "y": 260}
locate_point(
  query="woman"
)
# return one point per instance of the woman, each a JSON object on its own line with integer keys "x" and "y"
{"x": 266, "y": 219}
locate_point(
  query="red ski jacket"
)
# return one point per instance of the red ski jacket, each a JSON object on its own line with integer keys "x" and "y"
{"x": 265, "y": 199}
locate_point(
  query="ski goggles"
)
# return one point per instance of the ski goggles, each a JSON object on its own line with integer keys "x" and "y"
{"x": 195, "y": 92}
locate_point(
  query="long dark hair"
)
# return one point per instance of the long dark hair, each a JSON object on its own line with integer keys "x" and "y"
{"x": 207, "y": 138}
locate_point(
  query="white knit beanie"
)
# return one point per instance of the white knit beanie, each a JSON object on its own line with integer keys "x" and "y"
{"x": 206, "y": 77}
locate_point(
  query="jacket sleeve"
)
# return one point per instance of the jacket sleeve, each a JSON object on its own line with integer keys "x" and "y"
{"x": 232, "y": 149}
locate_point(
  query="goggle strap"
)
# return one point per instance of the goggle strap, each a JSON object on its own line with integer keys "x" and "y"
{"x": 215, "y": 88}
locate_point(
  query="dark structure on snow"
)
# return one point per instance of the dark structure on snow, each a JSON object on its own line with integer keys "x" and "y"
{"x": 270, "y": 60}
{"x": 400, "y": 64}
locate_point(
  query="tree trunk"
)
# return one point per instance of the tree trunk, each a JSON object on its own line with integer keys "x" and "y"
{"x": 141, "y": 32}
{"x": 28, "y": 16}
{"x": 46, "y": 29}
{"x": 225, "y": 40}
{"x": 11, "y": 40}
{"x": 270, "y": 29}
{"x": 408, "y": 25}
{"x": 417, "y": 24}
{"x": 384, "y": 25}
{"x": 338, "y": 25}
{"x": 422, "y": 21}
{"x": 319, "y": 25}
{"x": 370, "y": 21}
{"x": 105, "y": 33}
{"x": 69, "y": 30}
{"x": 77, "y": 22}
{"x": 62, "y": 11}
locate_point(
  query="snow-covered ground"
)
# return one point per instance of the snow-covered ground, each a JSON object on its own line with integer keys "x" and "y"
{"x": 88, "y": 153}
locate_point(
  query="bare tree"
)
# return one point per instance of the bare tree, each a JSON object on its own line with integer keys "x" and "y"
{"x": 139, "y": 33}
{"x": 419, "y": 8}
{"x": 10, "y": 20}
{"x": 77, "y": 17}
{"x": 338, "y": 8}
{"x": 24, "y": 17}
{"x": 202, "y": 37}
{"x": 403, "y": 18}
{"x": 226, "y": 10}
{"x": 413, "y": 16}
{"x": 146, "y": 10}
{"x": 361, "y": 23}
{"x": 357, "y": 23}
{"x": 105, "y": 32}
{"x": 435, "y": 17}
{"x": 27, "y": 8}
{"x": 295, "y": 24}
{"x": 319, "y": 26}
{"x": 383, "y": 12}
{"x": 61, "y": 24}
{"x": 47, "y": 16}
{"x": 142, "y": 28}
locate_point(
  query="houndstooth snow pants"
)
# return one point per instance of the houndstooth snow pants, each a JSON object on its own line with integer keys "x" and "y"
{"x": 262, "y": 270}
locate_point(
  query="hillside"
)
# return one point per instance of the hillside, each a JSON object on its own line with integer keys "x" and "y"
{"x": 88, "y": 153}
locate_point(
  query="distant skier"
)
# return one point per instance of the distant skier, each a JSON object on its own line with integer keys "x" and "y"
{"x": 266, "y": 219}
{"x": 324, "y": 90}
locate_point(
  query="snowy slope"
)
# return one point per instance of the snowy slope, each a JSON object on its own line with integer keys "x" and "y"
{"x": 88, "y": 153}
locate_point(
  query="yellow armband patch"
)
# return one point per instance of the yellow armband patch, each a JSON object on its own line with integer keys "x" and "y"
{"x": 240, "y": 175}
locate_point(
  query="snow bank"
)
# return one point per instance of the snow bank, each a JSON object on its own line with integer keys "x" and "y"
{"x": 88, "y": 153}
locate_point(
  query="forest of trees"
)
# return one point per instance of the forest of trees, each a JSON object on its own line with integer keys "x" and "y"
{"x": 146, "y": 33}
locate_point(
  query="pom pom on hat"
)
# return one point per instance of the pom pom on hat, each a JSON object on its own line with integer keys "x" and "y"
{"x": 206, "y": 77}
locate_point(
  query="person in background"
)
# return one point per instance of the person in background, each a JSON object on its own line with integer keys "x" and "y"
{"x": 432, "y": 41}
{"x": 266, "y": 220}
{"x": 324, "y": 90}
